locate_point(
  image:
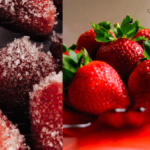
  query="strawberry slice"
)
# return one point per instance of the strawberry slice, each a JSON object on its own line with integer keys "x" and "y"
{"x": 46, "y": 113}
{"x": 10, "y": 137}
{"x": 32, "y": 17}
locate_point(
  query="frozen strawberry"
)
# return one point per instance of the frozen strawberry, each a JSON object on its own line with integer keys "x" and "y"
{"x": 21, "y": 66}
{"x": 123, "y": 54}
{"x": 46, "y": 113}
{"x": 56, "y": 49}
{"x": 145, "y": 33}
{"x": 139, "y": 81}
{"x": 32, "y": 17}
{"x": 87, "y": 40}
{"x": 10, "y": 137}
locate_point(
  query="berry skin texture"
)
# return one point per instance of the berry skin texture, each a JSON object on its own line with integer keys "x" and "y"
{"x": 123, "y": 55}
{"x": 46, "y": 113}
{"x": 144, "y": 33}
{"x": 10, "y": 137}
{"x": 96, "y": 88}
{"x": 138, "y": 85}
{"x": 21, "y": 66}
{"x": 87, "y": 41}
{"x": 32, "y": 17}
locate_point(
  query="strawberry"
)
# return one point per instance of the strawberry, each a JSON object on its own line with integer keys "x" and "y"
{"x": 21, "y": 66}
{"x": 67, "y": 53}
{"x": 32, "y": 17}
{"x": 87, "y": 40}
{"x": 95, "y": 87}
{"x": 123, "y": 54}
{"x": 142, "y": 33}
{"x": 56, "y": 49}
{"x": 10, "y": 137}
{"x": 46, "y": 113}
{"x": 139, "y": 81}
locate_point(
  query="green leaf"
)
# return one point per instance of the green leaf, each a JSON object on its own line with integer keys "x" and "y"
{"x": 69, "y": 63}
{"x": 64, "y": 48}
{"x": 73, "y": 47}
{"x": 139, "y": 39}
{"x": 117, "y": 31}
{"x": 126, "y": 24}
{"x": 80, "y": 58}
{"x": 104, "y": 24}
{"x": 103, "y": 35}
{"x": 68, "y": 72}
{"x": 73, "y": 55}
{"x": 86, "y": 57}
{"x": 141, "y": 27}
{"x": 147, "y": 49}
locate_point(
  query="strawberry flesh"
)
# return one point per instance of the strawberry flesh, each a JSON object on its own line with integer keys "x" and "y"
{"x": 46, "y": 113}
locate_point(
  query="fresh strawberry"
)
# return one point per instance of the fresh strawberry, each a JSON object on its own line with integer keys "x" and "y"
{"x": 123, "y": 54}
{"x": 21, "y": 66}
{"x": 95, "y": 87}
{"x": 87, "y": 41}
{"x": 46, "y": 113}
{"x": 32, "y": 17}
{"x": 67, "y": 53}
{"x": 142, "y": 33}
{"x": 10, "y": 137}
{"x": 139, "y": 81}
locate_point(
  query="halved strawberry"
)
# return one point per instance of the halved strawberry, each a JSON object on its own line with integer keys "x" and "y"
{"x": 32, "y": 17}
{"x": 46, "y": 113}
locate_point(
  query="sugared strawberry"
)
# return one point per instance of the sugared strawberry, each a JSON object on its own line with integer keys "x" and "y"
{"x": 56, "y": 48}
{"x": 142, "y": 33}
{"x": 21, "y": 66}
{"x": 139, "y": 81}
{"x": 10, "y": 137}
{"x": 32, "y": 17}
{"x": 123, "y": 54}
{"x": 95, "y": 87}
{"x": 87, "y": 40}
{"x": 46, "y": 113}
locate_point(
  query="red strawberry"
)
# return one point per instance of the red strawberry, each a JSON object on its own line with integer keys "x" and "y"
{"x": 97, "y": 87}
{"x": 46, "y": 113}
{"x": 123, "y": 54}
{"x": 32, "y": 17}
{"x": 139, "y": 81}
{"x": 87, "y": 41}
{"x": 76, "y": 51}
{"x": 142, "y": 33}
{"x": 10, "y": 137}
{"x": 21, "y": 66}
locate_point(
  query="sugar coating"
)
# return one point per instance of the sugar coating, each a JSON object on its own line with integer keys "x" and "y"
{"x": 46, "y": 112}
{"x": 22, "y": 64}
{"x": 10, "y": 137}
{"x": 36, "y": 15}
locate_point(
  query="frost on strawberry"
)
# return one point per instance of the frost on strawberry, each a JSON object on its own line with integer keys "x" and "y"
{"x": 32, "y": 17}
{"x": 46, "y": 113}
{"x": 10, "y": 137}
{"x": 22, "y": 64}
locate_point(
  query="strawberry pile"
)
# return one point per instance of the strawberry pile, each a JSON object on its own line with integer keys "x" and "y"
{"x": 114, "y": 85}
{"x": 46, "y": 113}
{"x": 33, "y": 17}
{"x": 10, "y": 137}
